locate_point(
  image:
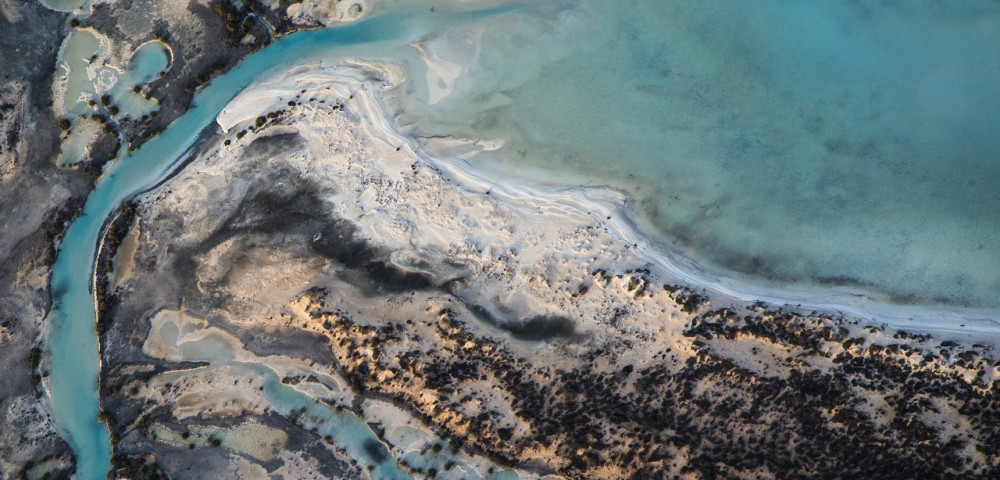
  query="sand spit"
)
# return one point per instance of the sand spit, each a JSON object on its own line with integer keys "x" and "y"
{"x": 482, "y": 326}
{"x": 603, "y": 206}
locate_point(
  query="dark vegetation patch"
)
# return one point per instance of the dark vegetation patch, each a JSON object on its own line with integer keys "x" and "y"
{"x": 541, "y": 327}
{"x": 114, "y": 235}
{"x": 290, "y": 210}
{"x": 635, "y": 417}
{"x": 136, "y": 467}
{"x": 375, "y": 451}
{"x": 395, "y": 279}
{"x": 274, "y": 145}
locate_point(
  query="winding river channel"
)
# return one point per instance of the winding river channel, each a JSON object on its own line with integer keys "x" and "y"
{"x": 72, "y": 387}
{"x": 814, "y": 153}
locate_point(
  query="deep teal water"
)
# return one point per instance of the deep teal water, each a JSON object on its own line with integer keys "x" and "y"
{"x": 835, "y": 145}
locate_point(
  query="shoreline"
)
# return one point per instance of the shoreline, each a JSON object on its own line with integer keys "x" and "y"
{"x": 624, "y": 224}
{"x": 495, "y": 313}
{"x": 596, "y": 203}
{"x": 546, "y": 242}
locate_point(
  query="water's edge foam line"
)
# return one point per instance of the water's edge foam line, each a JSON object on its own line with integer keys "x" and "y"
{"x": 602, "y": 202}
{"x": 110, "y": 192}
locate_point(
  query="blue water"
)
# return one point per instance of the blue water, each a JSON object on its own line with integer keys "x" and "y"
{"x": 824, "y": 144}
{"x": 344, "y": 428}
{"x": 72, "y": 385}
{"x": 146, "y": 64}
{"x": 845, "y": 145}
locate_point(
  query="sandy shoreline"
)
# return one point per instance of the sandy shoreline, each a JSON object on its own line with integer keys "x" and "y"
{"x": 603, "y": 205}
{"x": 600, "y": 203}
{"x": 313, "y": 250}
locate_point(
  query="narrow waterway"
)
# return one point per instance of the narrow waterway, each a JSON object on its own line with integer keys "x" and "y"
{"x": 806, "y": 148}
{"x": 72, "y": 387}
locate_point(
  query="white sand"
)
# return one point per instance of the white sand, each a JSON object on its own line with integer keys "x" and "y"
{"x": 522, "y": 212}
{"x": 326, "y": 12}
{"x": 524, "y": 249}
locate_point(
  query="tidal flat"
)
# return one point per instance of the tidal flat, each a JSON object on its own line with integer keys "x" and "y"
{"x": 498, "y": 239}
{"x": 407, "y": 293}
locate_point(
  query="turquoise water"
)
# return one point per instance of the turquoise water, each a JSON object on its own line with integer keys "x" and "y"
{"x": 797, "y": 144}
{"x": 344, "y": 428}
{"x": 64, "y": 5}
{"x": 72, "y": 386}
{"x": 195, "y": 342}
{"x": 817, "y": 144}
{"x": 82, "y": 78}
{"x": 146, "y": 64}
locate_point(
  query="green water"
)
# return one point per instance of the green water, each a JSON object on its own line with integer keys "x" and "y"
{"x": 73, "y": 83}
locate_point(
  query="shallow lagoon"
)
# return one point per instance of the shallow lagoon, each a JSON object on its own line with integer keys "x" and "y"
{"x": 799, "y": 145}
{"x": 145, "y": 65}
{"x": 84, "y": 76}
{"x": 795, "y": 144}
